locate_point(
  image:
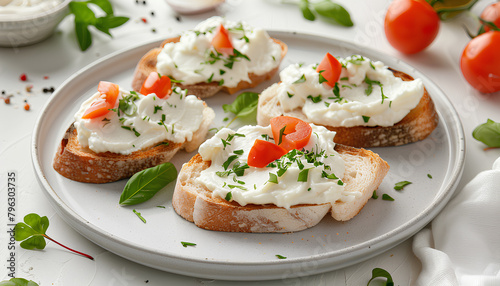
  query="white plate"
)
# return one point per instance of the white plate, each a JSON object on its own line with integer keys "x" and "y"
{"x": 93, "y": 210}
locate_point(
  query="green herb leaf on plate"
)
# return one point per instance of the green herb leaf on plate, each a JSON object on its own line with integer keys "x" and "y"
{"x": 139, "y": 215}
{"x": 488, "y": 133}
{"x": 18, "y": 282}
{"x": 245, "y": 105}
{"x": 186, "y": 244}
{"x": 306, "y": 11}
{"x": 381, "y": 273}
{"x": 400, "y": 185}
{"x": 145, "y": 184}
{"x": 386, "y": 197}
{"x": 334, "y": 11}
{"x": 280, "y": 256}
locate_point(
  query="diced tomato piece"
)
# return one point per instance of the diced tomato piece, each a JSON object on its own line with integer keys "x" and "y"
{"x": 222, "y": 42}
{"x": 264, "y": 152}
{"x": 330, "y": 68}
{"x": 108, "y": 95}
{"x": 296, "y": 134}
{"x": 157, "y": 84}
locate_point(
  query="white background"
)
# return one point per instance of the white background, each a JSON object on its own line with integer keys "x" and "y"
{"x": 59, "y": 57}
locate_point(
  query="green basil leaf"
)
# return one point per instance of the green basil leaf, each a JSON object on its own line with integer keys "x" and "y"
{"x": 83, "y": 35}
{"x": 379, "y": 272}
{"x": 488, "y": 133}
{"x": 306, "y": 11}
{"x": 18, "y": 282}
{"x": 145, "y": 184}
{"x": 83, "y": 14}
{"x": 105, "y": 23}
{"x": 386, "y": 197}
{"x": 105, "y": 5}
{"x": 244, "y": 105}
{"x": 334, "y": 11}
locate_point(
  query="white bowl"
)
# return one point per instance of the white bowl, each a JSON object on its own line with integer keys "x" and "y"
{"x": 29, "y": 29}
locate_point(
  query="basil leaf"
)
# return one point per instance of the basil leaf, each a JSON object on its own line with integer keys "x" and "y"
{"x": 103, "y": 24}
{"x": 379, "y": 272}
{"x": 105, "y": 5}
{"x": 83, "y": 14}
{"x": 306, "y": 11}
{"x": 244, "y": 105}
{"x": 386, "y": 197}
{"x": 18, "y": 282}
{"x": 145, "y": 184}
{"x": 83, "y": 35}
{"x": 488, "y": 133}
{"x": 375, "y": 196}
{"x": 334, "y": 11}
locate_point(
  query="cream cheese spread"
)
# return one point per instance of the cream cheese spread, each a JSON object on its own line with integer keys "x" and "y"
{"x": 26, "y": 7}
{"x": 139, "y": 121}
{"x": 194, "y": 60}
{"x": 367, "y": 94}
{"x": 309, "y": 176}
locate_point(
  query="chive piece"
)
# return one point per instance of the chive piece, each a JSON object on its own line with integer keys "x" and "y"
{"x": 289, "y": 94}
{"x": 238, "y": 152}
{"x": 429, "y": 176}
{"x": 386, "y": 197}
{"x": 315, "y": 99}
{"x": 186, "y": 244}
{"x": 375, "y": 196}
{"x": 400, "y": 185}
{"x": 229, "y": 196}
{"x": 280, "y": 256}
{"x": 228, "y": 161}
{"x": 209, "y": 80}
{"x": 366, "y": 118}
{"x": 139, "y": 215}
{"x": 301, "y": 79}
{"x": 282, "y": 131}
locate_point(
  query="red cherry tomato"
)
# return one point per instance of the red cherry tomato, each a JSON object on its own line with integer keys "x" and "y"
{"x": 491, "y": 14}
{"x": 263, "y": 153}
{"x": 157, "y": 84}
{"x": 296, "y": 134}
{"x": 106, "y": 101}
{"x": 222, "y": 42}
{"x": 411, "y": 25}
{"x": 330, "y": 69}
{"x": 480, "y": 62}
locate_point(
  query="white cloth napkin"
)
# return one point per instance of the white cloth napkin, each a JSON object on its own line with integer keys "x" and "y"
{"x": 462, "y": 247}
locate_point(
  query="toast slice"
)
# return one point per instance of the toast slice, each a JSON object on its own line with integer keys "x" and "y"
{"x": 147, "y": 64}
{"x": 365, "y": 171}
{"x": 415, "y": 126}
{"x": 84, "y": 165}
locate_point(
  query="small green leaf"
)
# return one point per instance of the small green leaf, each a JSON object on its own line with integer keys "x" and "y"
{"x": 83, "y": 14}
{"x": 488, "y": 133}
{"x": 301, "y": 79}
{"x": 381, "y": 273}
{"x": 31, "y": 231}
{"x": 105, "y": 23}
{"x": 386, "y": 197}
{"x": 375, "y": 196}
{"x": 273, "y": 178}
{"x": 334, "y": 11}
{"x": 244, "y": 105}
{"x": 83, "y": 35}
{"x": 306, "y": 11}
{"x": 229, "y": 196}
{"x": 105, "y": 5}
{"x": 429, "y": 176}
{"x": 303, "y": 175}
{"x": 366, "y": 118}
{"x": 400, "y": 185}
{"x": 280, "y": 256}
{"x": 138, "y": 214}
{"x": 18, "y": 282}
{"x": 145, "y": 184}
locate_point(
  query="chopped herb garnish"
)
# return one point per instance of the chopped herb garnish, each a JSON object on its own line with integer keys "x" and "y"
{"x": 273, "y": 178}
{"x": 186, "y": 244}
{"x": 386, "y": 197}
{"x": 238, "y": 152}
{"x": 322, "y": 79}
{"x": 301, "y": 79}
{"x": 375, "y": 196}
{"x": 315, "y": 99}
{"x": 229, "y": 161}
{"x": 429, "y": 176}
{"x": 289, "y": 94}
{"x": 237, "y": 186}
{"x": 139, "y": 215}
{"x": 282, "y": 132}
{"x": 366, "y": 118}
{"x": 327, "y": 104}
{"x": 221, "y": 72}
{"x": 280, "y": 256}
{"x": 303, "y": 175}
{"x": 157, "y": 108}
{"x": 221, "y": 82}
{"x": 400, "y": 185}
{"x": 209, "y": 80}
{"x": 229, "y": 196}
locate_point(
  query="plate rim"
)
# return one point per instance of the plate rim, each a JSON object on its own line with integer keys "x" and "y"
{"x": 397, "y": 235}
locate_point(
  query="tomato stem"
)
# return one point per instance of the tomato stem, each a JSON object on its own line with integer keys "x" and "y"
{"x": 78, "y": 252}
{"x": 442, "y": 12}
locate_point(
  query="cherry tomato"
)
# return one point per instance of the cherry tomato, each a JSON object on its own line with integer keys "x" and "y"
{"x": 480, "y": 62}
{"x": 157, "y": 84}
{"x": 106, "y": 101}
{"x": 491, "y": 14}
{"x": 296, "y": 134}
{"x": 330, "y": 69}
{"x": 411, "y": 25}
{"x": 264, "y": 152}
{"x": 222, "y": 42}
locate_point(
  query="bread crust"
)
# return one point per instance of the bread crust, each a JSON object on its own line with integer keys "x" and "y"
{"x": 365, "y": 171}
{"x": 415, "y": 126}
{"x": 84, "y": 165}
{"x": 147, "y": 64}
